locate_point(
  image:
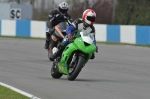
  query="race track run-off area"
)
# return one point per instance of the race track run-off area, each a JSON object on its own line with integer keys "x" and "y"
{"x": 117, "y": 72}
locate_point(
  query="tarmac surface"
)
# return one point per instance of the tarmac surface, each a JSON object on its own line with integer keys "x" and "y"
{"x": 117, "y": 72}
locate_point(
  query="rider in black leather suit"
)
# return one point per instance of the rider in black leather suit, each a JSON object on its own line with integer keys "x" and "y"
{"x": 55, "y": 17}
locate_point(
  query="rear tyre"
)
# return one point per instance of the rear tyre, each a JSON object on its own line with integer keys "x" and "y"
{"x": 76, "y": 69}
{"x": 55, "y": 72}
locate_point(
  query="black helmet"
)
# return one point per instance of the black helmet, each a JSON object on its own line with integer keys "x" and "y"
{"x": 63, "y": 7}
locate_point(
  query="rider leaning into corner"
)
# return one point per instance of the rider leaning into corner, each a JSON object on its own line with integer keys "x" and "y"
{"x": 55, "y": 17}
{"x": 84, "y": 24}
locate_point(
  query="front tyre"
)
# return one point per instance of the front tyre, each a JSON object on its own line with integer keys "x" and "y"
{"x": 54, "y": 71}
{"x": 77, "y": 68}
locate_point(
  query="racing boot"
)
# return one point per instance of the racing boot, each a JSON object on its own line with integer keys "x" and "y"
{"x": 58, "y": 53}
{"x": 47, "y": 40}
{"x": 93, "y": 56}
{"x": 46, "y": 44}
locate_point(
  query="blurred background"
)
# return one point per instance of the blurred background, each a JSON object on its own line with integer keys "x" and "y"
{"x": 125, "y": 12}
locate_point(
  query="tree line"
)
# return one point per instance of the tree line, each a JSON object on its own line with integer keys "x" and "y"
{"x": 125, "y": 12}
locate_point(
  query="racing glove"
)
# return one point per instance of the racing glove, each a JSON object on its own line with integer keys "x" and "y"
{"x": 70, "y": 37}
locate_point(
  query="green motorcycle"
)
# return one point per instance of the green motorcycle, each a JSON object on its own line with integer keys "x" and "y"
{"x": 74, "y": 57}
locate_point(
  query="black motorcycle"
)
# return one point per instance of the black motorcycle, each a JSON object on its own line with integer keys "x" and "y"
{"x": 57, "y": 36}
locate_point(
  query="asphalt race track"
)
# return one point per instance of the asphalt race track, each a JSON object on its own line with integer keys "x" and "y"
{"x": 117, "y": 72}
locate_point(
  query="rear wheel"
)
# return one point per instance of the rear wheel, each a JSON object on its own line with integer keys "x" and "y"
{"x": 75, "y": 70}
{"x": 55, "y": 72}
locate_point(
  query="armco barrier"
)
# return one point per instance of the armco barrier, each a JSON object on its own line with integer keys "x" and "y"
{"x": 105, "y": 33}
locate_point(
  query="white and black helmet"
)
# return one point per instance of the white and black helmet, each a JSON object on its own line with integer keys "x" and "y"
{"x": 63, "y": 7}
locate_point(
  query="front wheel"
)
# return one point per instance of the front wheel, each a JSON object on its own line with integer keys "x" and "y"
{"x": 76, "y": 68}
{"x": 55, "y": 72}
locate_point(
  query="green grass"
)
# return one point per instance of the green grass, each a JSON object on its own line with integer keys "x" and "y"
{"x": 6, "y": 93}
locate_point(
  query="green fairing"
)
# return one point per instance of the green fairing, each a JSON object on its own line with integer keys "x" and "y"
{"x": 62, "y": 65}
{"x": 78, "y": 44}
{"x": 86, "y": 49}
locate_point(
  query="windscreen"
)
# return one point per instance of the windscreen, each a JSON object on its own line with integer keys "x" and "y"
{"x": 63, "y": 26}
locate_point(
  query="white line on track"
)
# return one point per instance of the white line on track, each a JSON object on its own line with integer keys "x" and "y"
{"x": 19, "y": 91}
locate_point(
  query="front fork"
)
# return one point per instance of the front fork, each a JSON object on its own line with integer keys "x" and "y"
{"x": 73, "y": 61}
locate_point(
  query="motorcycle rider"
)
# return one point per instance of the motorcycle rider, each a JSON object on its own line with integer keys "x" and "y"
{"x": 84, "y": 24}
{"x": 55, "y": 17}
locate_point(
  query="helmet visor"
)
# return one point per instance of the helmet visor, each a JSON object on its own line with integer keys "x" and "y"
{"x": 92, "y": 19}
{"x": 63, "y": 10}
